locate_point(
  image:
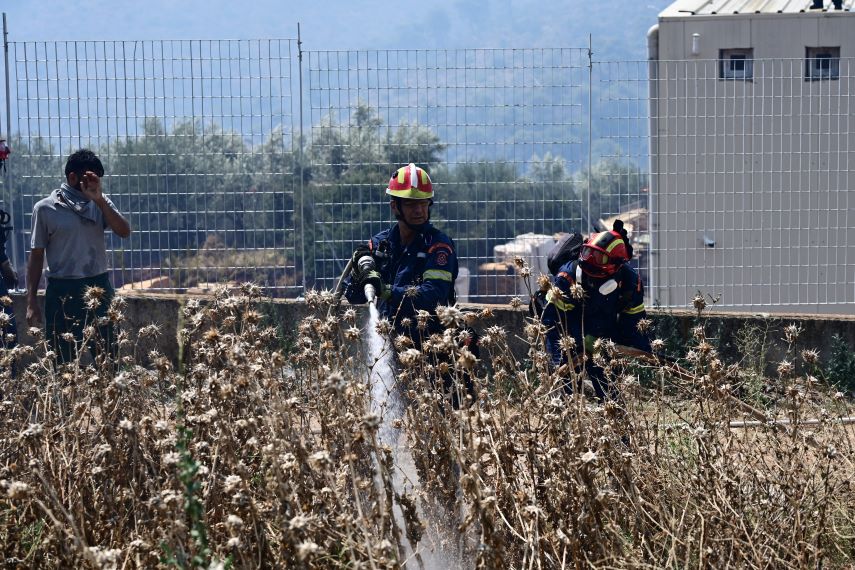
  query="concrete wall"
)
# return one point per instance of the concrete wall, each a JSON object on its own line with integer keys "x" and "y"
{"x": 163, "y": 310}
{"x": 760, "y": 167}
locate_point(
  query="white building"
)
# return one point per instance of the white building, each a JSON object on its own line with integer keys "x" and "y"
{"x": 752, "y": 118}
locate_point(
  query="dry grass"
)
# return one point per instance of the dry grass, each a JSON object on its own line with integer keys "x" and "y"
{"x": 250, "y": 456}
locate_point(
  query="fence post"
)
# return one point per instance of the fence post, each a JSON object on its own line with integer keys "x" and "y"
{"x": 7, "y": 174}
{"x": 302, "y": 162}
{"x": 590, "y": 131}
{"x": 653, "y": 163}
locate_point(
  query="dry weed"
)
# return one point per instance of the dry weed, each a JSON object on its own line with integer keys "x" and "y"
{"x": 249, "y": 456}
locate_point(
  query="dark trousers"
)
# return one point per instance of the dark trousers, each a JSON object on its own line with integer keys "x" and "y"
{"x": 66, "y": 312}
{"x": 603, "y": 388}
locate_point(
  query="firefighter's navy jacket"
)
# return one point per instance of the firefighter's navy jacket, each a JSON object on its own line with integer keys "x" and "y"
{"x": 428, "y": 263}
{"x": 612, "y": 316}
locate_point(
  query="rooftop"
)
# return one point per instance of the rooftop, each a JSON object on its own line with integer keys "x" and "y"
{"x": 685, "y": 8}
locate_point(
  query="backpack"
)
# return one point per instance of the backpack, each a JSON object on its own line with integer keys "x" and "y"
{"x": 567, "y": 248}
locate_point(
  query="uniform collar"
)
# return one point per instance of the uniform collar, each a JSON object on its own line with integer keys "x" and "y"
{"x": 419, "y": 240}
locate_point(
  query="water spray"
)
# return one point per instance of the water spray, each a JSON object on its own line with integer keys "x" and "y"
{"x": 386, "y": 402}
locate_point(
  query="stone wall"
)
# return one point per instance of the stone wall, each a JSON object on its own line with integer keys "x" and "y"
{"x": 164, "y": 310}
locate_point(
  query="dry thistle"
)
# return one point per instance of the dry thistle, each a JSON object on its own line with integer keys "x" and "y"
{"x": 698, "y": 302}
{"x": 450, "y": 316}
{"x": 567, "y": 343}
{"x": 534, "y": 330}
{"x": 589, "y": 457}
{"x": 543, "y": 282}
{"x": 810, "y": 356}
{"x": 402, "y": 342}
{"x": 320, "y": 460}
{"x": 410, "y": 358}
{"x": 352, "y": 333}
{"x": 92, "y": 297}
{"x": 151, "y": 330}
{"x": 422, "y": 318}
{"x": 792, "y": 332}
{"x": 466, "y": 360}
{"x": 306, "y": 549}
{"x": 785, "y": 368}
{"x": 497, "y": 332}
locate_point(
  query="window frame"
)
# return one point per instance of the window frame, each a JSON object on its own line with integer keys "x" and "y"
{"x": 726, "y": 59}
{"x": 816, "y": 54}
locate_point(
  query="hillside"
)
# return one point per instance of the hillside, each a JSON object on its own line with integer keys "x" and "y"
{"x": 357, "y": 24}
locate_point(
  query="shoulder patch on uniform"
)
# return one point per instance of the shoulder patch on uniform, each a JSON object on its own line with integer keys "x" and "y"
{"x": 442, "y": 258}
{"x": 439, "y": 245}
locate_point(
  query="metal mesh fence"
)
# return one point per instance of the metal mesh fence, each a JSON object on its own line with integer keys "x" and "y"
{"x": 734, "y": 186}
{"x": 196, "y": 138}
{"x": 753, "y": 196}
{"x": 501, "y": 132}
{"x": 619, "y": 179}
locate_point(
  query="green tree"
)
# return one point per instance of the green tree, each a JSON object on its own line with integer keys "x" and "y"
{"x": 199, "y": 186}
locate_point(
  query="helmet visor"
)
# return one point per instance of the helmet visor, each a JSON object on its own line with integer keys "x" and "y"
{"x": 596, "y": 262}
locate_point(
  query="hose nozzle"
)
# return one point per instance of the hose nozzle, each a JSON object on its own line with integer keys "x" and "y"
{"x": 370, "y": 293}
{"x": 366, "y": 263}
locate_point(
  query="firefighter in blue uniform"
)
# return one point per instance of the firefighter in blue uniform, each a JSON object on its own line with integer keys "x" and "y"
{"x": 414, "y": 264}
{"x": 610, "y": 305}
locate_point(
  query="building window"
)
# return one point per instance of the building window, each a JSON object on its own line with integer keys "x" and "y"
{"x": 736, "y": 64}
{"x": 822, "y": 63}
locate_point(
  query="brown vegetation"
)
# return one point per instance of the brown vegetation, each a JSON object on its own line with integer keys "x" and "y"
{"x": 252, "y": 454}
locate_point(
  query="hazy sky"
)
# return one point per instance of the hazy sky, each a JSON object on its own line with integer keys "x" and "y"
{"x": 338, "y": 24}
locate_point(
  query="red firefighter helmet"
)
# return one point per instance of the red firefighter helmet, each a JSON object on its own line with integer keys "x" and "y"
{"x": 410, "y": 182}
{"x": 603, "y": 254}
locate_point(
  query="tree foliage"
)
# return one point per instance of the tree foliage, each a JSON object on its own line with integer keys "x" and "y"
{"x": 193, "y": 189}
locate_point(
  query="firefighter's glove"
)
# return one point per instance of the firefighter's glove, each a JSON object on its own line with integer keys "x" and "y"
{"x": 589, "y": 344}
{"x": 361, "y": 262}
{"x": 10, "y": 277}
{"x": 358, "y": 254}
{"x": 373, "y": 278}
